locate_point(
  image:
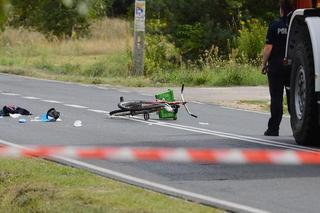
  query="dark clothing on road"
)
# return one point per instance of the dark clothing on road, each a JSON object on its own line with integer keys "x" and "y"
{"x": 278, "y": 76}
{"x": 278, "y": 79}
{"x": 277, "y": 37}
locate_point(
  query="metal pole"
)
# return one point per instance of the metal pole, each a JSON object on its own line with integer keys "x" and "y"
{"x": 139, "y": 34}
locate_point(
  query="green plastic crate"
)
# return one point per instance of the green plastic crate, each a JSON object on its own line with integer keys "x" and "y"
{"x": 167, "y": 96}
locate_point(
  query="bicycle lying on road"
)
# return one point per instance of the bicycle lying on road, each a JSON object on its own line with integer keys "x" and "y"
{"x": 138, "y": 107}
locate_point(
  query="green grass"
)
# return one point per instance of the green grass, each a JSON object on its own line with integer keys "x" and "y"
{"x": 35, "y": 185}
{"x": 264, "y": 105}
{"x": 105, "y": 59}
{"x": 227, "y": 75}
{"x": 97, "y": 74}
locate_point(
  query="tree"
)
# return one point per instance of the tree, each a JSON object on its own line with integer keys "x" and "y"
{"x": 61, "y": 18}
{"x": 267, "y": 10}
{"x": 195, "y": 26}
{"x": 2, "y": 13}
{"x": 121, "y": 7}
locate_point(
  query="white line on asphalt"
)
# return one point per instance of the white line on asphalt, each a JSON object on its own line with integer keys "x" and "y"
{"x": 225, "y": 135}
{"x": 251, "y": 138}
{"x": 51, "y": 81}
{"x": 206, "y": 131}
{"x": 145, "y": 94}
{"x": 197, "y": 102}
{"x": 30, "y": 98}
{"x": 76, "y": 106}
{"x": 245, "y": 110}
{"x": 52, "y": 101}
{"x": 124, "y": 91}
{"x": 98, "y": 111}
{"x": 9, "y": 94}
{"x": 152, "y": 185}
{"x": 203, "y": 123}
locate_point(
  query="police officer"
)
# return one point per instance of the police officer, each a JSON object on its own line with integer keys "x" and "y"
{"x": 278, "y": 76}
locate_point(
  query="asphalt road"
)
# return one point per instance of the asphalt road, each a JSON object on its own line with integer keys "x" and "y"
{"x": 239, "y": 188}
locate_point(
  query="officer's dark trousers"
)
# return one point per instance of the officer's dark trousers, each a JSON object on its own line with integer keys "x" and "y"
{"x": 279, "y": 79}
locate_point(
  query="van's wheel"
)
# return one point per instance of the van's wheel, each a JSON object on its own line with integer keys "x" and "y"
{"x": 303, "y": 98}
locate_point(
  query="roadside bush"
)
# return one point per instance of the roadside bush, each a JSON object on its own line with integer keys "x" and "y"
{"x": 95, "y": 70}
{"x": 251, "y": 40}
{"x": 190, "y": 39}
{"x": 211, "y": 58}
{"x": 160, "y": 55}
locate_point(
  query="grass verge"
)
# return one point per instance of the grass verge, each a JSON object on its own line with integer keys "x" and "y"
{"x": 105, "y": 58}
{"x": 260, "y": 105}
{"x": 225, "y": 77}
{"x": 36, "y": 185}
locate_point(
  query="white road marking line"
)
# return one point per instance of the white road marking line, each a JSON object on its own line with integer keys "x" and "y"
{"x": 197, "y": 102}
{"x": 98, "y": 111}
{"x": 145, "y": 183}
{"x": 224, "y": 135}
{"x": 145, "y": 94}
{"x": 76, "y": 106}
{"x": 124, "y": 91}
{"x": 203, "y": 123}
{"x": 245, "y": 110}
{"x": 52, "y": 101}
{"x": 210, "y": 132}
{"x": 31, "y": 98}
{"x": 221, "y": 134}
{"x": 50, "y": 81}
{"x": 9, "y": 94}
{"x": 297, "y": 147}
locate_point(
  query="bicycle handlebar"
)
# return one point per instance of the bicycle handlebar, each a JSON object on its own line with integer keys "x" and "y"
{"x": 184, "y": 103}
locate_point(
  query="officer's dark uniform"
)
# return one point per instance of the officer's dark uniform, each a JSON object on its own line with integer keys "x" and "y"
{"x": 279, "y": 78}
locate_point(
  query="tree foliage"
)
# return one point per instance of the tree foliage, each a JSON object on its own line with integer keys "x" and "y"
{"x": 195, "y": 26}
{"x": 61, "y": 18}
{"x": 192, "y": 26}
{"x": 3, "y": 4}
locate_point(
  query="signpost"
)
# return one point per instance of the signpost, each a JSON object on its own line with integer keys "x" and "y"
{"x": 139, "y": 33}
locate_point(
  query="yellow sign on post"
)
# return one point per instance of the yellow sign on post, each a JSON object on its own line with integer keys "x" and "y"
{"x": 140, "y": 16}
{"x": 139, "y": 31}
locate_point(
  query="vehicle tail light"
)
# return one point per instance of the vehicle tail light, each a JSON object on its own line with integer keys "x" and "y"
{"x": 304, "y": 4}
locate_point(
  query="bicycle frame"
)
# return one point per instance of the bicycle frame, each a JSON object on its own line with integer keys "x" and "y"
{"x": 135, "y": 107}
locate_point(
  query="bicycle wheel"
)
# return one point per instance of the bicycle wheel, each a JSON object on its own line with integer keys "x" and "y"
{"x": 140, "y": 106}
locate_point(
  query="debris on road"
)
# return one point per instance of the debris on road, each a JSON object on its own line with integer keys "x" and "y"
{"x": 14, "y": 115}
{"x": 22, "y": 120}
{"x": 13, "y": 111}
{"x": 77, "y": 123}
{"x": 51, "y": 116}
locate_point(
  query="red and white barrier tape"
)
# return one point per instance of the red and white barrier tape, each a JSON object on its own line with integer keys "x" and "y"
{"x": 178, "y": 155}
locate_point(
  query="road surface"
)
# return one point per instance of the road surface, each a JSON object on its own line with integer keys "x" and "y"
{"x": 281, "y": 189}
